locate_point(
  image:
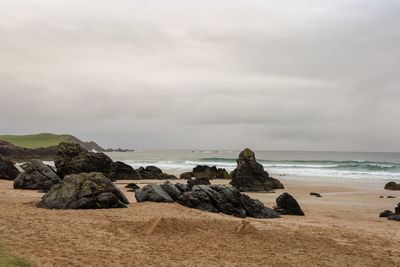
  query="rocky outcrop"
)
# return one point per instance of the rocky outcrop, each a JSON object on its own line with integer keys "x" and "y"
{"x": 249, "y": 176}
{"x": 198, "y": 181}
{"x": 153, "y": 172}
{"x": 392, "y": 186}
{"x": 186, "y": 175}
{"x": 72, "y": 159}
{"x": 287, "y": 205}
{"x": 212, "y": 198}
{"x": 17, "y": 153}
{"x": 84, "y": 191}
{"x": 122, "y": 171}
{"x": 37, "y": 176}
{"x": 204, "y": 171}
{"x": 7, "y": 169}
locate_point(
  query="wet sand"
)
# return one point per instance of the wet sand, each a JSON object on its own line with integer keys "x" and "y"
{"x": 340, "y": 229}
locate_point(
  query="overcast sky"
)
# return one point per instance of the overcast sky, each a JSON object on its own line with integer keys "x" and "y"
{"x": 271, "y": 75}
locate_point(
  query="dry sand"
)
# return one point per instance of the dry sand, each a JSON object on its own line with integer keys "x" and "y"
{"x": 340, "y": 229}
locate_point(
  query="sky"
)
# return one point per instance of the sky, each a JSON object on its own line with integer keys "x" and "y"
{"x": 270, "y": 75}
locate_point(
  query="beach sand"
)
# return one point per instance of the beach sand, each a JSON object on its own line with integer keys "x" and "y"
{"x": 340, "y": 229}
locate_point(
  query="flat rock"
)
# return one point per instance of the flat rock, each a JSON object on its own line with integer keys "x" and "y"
{"x": 392, "y": 186}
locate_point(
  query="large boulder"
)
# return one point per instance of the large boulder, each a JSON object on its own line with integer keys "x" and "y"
{"x": 122, "y": 171}
{"x": 204, "y": 171}
{"x": 392, "y": 186}
{"x": 186, "y": 175}
{"x": 7, "y": 169}
{"x": 73, "y": 159}
{"x": 287, "y": 205}
{"x": 249, "y": 176}
{"x": 84, "y": 191}
{"x": 154, "y": 173}
{"x": 212, "y": 198}
{"x": 36, "y": 176}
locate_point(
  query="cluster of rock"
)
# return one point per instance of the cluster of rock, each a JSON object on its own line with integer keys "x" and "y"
{"x": 84, "y": 191}
{"x": 212, "y": 198}
{"x": 204, "y": 171}
{"x": 395, "y": 216}
{"x": 392, "y": 186}
{"x": 153, "y": 172}
{"x": 36, "y": 176}
{"x": 7, "y": 169}
{"x": 250, "y": 176}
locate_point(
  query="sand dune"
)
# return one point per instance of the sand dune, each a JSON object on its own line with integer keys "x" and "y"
{"x": 338, "y": 230}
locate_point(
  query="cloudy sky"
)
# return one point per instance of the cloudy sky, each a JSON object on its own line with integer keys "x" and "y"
{"x": 273, "y": 75}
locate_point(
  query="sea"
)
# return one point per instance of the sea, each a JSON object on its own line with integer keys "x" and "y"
{"x": 347, "y": 165}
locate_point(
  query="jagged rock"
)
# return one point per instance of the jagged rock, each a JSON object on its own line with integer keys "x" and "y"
{"x": 222, "y": 174}
{"x": 84, "y": 191}
{"x": 186, "y": 175}
{"x": 122, "y": 171}
{"x": 213, "y": 198}
{"x": 132, "y": 187}
{"x": 7, "y": 169}
{"x": 315, "y": 194}
{"x": 73, "y": 159}
{"x": 392, "y": 186}
{"x": 287, "y": 205}
{"x": 153, "y": 172}
{"x": 198, "y": 181}
{"x": 37, "y": 176}
{"x": 249, "y": 176}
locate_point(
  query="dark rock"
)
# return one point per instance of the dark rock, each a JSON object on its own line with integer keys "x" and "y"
{"x": 315, "y": 194}
{"x": 37, "y": 176}
{"x": 222, "y": 174}
{"x": 132, "y": 187}
{"x": 287, "y": 205}
{"x": 249, "y": 176}
{"x": 390, "y": 197}
{"x": 212, "y": 198}
{"x": 122, "y": 171}
{"x": 202, "y": 171}
{"x": 397, "y": 209}
{"x": 394, "y": 218}
{"x": 380, "y": 196}
{"x": 7, "y": 169}
{"x": 17, "y": 153}
{"x": 84, "y": 191}
{"x": 392, "y": 186}
{"x": 154, "y": 173}
{"x": 186, "y": 175}
{"x": 73, "y": 159}
{"x": 386, "y": 213}
{"x": 198, "y": 181}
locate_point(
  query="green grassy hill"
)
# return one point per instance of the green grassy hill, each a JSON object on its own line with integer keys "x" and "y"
{"x": 36, "y": 140}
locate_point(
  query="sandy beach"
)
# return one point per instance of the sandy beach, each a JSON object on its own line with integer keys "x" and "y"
{"x": 340, "y": 229}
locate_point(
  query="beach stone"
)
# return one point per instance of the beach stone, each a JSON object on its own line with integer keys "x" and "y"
{"x": 132, "y": 187}
{"x": 73, "y": 159}
{"x": 386, "y": 213}
{"x": 397, "y": 209}
{"x": 202, "y": 171}
{"x": 153, "y": 172}
{"x": 7, "y": 169}
{"x": 392, "y": 186}
{"x": 122, "y": 171}
{"x": 154, "y": 193}
{"x": 394, "y": 218}
{"x": 390, "y": 197}
{"x": 186, "y": 175}
{"x": 84, "y": 191}
{"x": 287, "y": 205}
{"x": 315, "y": 194}
{"x": 198, "y": 181}
{"x": 249, "y": 176}
{"x": 36, "y": 176}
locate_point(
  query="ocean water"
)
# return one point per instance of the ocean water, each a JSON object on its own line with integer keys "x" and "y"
{"x": 348, "y": 165}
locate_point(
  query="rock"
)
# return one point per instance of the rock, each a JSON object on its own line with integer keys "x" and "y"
{"x": 73, "y": 159}
{"x": 392, "y": 186}
{"x": 287, "y": 205}
{"x": 37, "y": 176}
{"x": 186, "y": 175}
{"x": 154, "y": 193}
{"x": 84, "y": 191}
{"x": 397, "y": 209}
{"x": 390, "y": 197}
{"x": 132, "y": 187}
{"x": 212, "y": 198}
{"x": 202, "y": 171}
{"x": 380, "y": 196}
{"x": 249, "y": 176}
{"x": 153, "y": 172}
{"x": 122, "y": 171}
{"x": 315, "y": 194}
{"x": 7, "y": 169}
{"x": 386, "y": 213}
{"x": 394, "y": 218}
{"x": 222, "y": 174}
{"x": 198, "y": 181}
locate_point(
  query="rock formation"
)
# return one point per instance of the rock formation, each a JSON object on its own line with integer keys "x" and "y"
{"x": 249, "y": 176}
{"x": 84, "y": 191}
{"x": 153, "y": 172}
{"x": 7, "y": 169}
{"x": 287, "y": 205}
{"x": 392, "y": 186}
{"x": 122, "y": 171}
{"x": 37, "y": 176}
{"x": 204, "y": 171}
{"x": 72, "y": 159}
{"x": 198, "y": 181}
{"x": 212, "y": 198}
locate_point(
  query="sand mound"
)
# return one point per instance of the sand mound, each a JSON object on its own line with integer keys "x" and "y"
{"x": 244, "y": 227}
